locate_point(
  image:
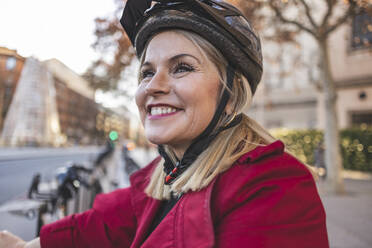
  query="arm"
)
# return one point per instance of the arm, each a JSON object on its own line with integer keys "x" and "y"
{"x": 110, "y": 223}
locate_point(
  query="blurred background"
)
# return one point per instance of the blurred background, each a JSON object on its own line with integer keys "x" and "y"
{"x": 68, "y": 75}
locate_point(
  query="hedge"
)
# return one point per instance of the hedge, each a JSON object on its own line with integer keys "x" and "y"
{"x": 355, "y": 144}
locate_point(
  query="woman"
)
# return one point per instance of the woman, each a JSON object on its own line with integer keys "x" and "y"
{"x": 221, "y": 180}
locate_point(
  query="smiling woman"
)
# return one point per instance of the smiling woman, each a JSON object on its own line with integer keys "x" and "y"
{"x": 221, "y": 180}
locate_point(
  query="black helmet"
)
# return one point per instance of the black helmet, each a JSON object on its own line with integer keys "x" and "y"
{"x": 220, "y": 23}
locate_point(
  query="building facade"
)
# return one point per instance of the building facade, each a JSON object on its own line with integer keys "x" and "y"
{"x": 11, "y": 64}
{"x": 285, "y": 108}
{"x": 32, "y": 119}
{"x": 47, "y": 104}
{"x": 82, "y": 120}
{"x": 351, "y": 66}
{"x": 290, "y": 95}
{"x": 76, "y": 107}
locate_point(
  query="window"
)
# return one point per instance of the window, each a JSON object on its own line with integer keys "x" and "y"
{"x": 10, "y": 63}
{"x": 358, "y": 118}
{"x": 362, "y": 31}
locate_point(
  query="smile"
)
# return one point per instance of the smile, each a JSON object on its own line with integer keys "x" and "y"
{"x": 156, "y": 112}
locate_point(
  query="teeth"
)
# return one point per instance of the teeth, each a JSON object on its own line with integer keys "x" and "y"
{"x": 162, "y": 110}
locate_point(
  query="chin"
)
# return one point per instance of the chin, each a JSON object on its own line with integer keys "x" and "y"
{"x": 162, "y": 135}
{"x": 157, "y": 139}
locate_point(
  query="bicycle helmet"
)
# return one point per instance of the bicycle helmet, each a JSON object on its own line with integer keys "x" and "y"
{"x": 225, "y": 27}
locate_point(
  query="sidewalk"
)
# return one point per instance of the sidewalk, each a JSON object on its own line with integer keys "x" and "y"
{"x": 349, "y": 216}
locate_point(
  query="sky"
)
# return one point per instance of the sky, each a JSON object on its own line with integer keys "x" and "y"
{"x": 53, "y": 29}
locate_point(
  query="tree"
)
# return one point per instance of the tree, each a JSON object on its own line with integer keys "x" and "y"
{"x": 319, "y": 19}
{"x": 115, "y": 52}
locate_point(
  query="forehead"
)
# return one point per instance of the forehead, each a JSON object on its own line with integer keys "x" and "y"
{"x": 169, "y": 44}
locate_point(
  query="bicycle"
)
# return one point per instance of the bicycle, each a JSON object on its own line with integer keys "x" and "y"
{"x": 55, "y": 201}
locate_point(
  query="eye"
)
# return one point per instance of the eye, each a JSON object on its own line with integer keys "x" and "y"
{"x": 183, "y": 67}
{"x": 146, "y": 74}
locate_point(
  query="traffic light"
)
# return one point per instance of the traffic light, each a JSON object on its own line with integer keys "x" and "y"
{"x": 113, "y": 135}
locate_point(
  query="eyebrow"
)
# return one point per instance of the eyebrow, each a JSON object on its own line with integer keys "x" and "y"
{"x": 174, "y": 58}
{"x": 184, "y": 55}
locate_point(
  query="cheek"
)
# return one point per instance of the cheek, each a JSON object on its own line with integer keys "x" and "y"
{"x": 203, "y": 98}
{"x": 211, "y": 95}
{"x": 202, "y": 103}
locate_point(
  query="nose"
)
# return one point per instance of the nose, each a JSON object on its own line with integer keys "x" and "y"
{"x": 159, "y": 84}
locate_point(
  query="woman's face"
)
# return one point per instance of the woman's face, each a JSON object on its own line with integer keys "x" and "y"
{"x": 178, "y": 91}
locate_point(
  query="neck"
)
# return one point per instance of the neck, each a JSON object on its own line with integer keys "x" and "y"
{"x": 178, "y": 150}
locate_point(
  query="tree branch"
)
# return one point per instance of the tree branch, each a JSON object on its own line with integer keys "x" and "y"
{"x": 330, "y": 5}
{"x": 287, "y": 21}
{"x": 341, "y": 20}
{"x": 308, "y": 14}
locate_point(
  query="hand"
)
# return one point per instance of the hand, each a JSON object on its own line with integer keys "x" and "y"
{"x": 9, "y": 240}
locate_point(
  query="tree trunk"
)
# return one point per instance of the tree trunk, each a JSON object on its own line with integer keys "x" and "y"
{"x": 331, "y": 131}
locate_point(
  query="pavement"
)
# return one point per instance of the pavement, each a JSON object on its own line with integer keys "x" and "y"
{"x": 349, "y": 216}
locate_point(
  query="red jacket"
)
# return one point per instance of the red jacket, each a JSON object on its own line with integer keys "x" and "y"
{"x": 266, "y": 199}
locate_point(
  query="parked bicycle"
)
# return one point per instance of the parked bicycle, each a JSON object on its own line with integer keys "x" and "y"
{"x": 56, "y": 196}
{"x": 73, "y": 189}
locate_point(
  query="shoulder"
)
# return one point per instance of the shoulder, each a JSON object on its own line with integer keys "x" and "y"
{"x": 266, "y": 163}
{"x": 268, "y": 198}
{"x": 265, "y": 179}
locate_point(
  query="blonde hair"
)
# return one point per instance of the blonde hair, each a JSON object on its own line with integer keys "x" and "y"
{"x": 227, "y": 147}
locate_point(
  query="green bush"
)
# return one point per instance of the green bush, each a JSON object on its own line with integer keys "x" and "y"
{"x": 355, "y": 144}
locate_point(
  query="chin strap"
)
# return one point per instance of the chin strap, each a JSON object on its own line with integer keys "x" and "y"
{"x": 203, "y": 140}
